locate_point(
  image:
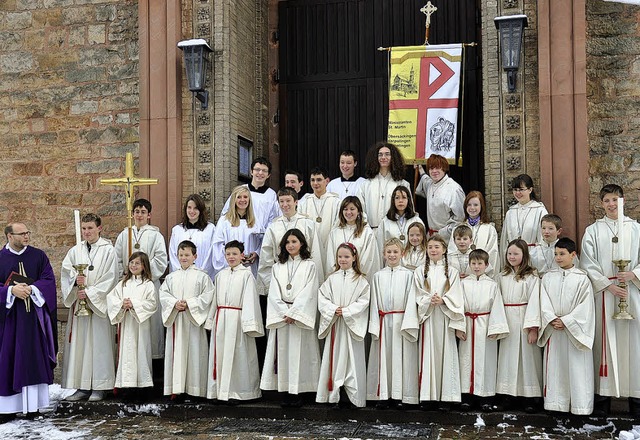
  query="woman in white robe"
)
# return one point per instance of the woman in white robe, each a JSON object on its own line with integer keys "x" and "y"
{"x": 484, "y": 234}
{"x": 130, "y": 306}
{"x": 343, "y": 303}
{"x": 392, "y": 372}
{"x": 239, "y": 223}
{"x": 292, "y": 361}
{"x": 196, "y": 228}
{"x": 441, "y": 313}
{"x": 352, "y": 228}
{"x": 415, "y": 252}
{"x": 384, "y": 170}
{"x": 519, "y": 358}
{"x": 235, "y": 321}
{"x": 185, "y": 360}
{"x": 523, "y": 219}
{"x": 401, "y": 214}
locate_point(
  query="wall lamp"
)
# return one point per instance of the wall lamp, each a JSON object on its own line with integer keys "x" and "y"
{"x": 196, "y": 58}
{"x": 511, "y": 30}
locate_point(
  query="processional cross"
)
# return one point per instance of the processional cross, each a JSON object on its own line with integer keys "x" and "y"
{"x": 129, "y": 182}
{"x": 427, "y": 10}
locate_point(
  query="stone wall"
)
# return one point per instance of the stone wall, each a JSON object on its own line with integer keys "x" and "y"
{"x": 68, "y": 113}
{"x": 613, "y": 95}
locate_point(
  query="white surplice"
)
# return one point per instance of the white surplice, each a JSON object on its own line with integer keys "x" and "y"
{"x": 439, "y": 371}
{"x": 325, "y": 208}
{"x": 271, "y": 246}
{"x": 250, "y": 237}
{"x": 265, "y": 205}
{"x": 375, "y": 196}
{"x": 568, "y": 359}
{"x": 389, "y": 229}
{"x": 202, "y": 239}
{"x": 344, "y": 188}
{"x": 134, "y": 343}
{"x": 89, "y": 343}
{"x": 616, "y": 349}
{"x": 520, "y": 363}
{"x": 445, "y": 203}
{"x": 292, "y": 360}
{"x": 522, "y": 221}
{"x": 392, "y": 372}
{"x": 343, "y": 360}
{"x": 485, "y": 237}
{"x": 415, "y": 257}
{"x": 235, "y": 321}
{"x": 368, "y": 252}
{"x": 151, "y": 242}
{"x": 485, "y": 317}
{"x": 185, "y": 360}
{"x": 543, "y": 257}
{"x": 459, "y": 260}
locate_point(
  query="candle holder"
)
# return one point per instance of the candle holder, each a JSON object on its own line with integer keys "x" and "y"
{"x": 83, "y": 310}
{"x": 622, "y": 304}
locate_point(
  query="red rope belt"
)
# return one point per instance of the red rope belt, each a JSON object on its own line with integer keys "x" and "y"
{"x": 473, "y": 317}
{"x": 382, "y": 314}
{"x": 546, "y": 364}
{"x": 333, "y": 339}
{"x": 215, "y": 335}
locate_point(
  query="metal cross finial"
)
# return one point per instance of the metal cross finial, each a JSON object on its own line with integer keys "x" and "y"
{"x": 428, "y": 10}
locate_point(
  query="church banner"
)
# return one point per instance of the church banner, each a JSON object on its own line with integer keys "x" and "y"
{"x": 424, "y": 86}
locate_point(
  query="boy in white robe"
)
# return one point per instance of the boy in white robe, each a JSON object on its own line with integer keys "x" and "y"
{"x": 566, "y": 334}
{"x": 459, "y": 253}
{"x": 343, "y": 303}
{"x": 290, "y": 219}
{"x": 186, "y": 298}
{"x": 348, "y": 183}
{"x": 616, "y": 348}
{"x": 148, "y": 239}
{"x": 486, "y": 322}
{"x": 235, "y": 321}
{"x": 393, "y": 323}
{"x": 321, "y": 206}
{"x": 89, "y": 343}
{"x": 130, "y": 305}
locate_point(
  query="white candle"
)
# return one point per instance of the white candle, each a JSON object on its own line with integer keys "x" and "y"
{"x": 621, "y": 242}
{"x": 76, "y": 217}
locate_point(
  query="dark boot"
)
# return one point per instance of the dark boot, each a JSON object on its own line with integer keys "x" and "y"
{"x": 634, "y": 407}
{"x": 602, "y": 406}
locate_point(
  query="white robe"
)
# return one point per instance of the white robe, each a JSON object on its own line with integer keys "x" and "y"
{"x": 265, "y": 206}
{"x": 616, "y": 349}
{"x": 485, "y": 317}
{"x": 389, "y": 229}
{"x": 366, "y": 244}
{"x": 413, "y": 258}
{"x": 445, "y": 203}
{"x": 250, "y": 237}
{"x": 89, "y": 343}
{"x": 543, "y": 257}
{"x": 185, "y": 361}
{"x": 485, "y": 237}
{"x": 520, "y": 363}
{"x": 522, "y": 221}
{"x": 134, "y": 356}
{"x": 343, "y": 360}
{"x": 326, "y": 207}
{"x": 392, "y": 371}
{"x": 292, "y": 360}
{"x": 460, "y": 260}
{"x": 152, "y": 243}
{"x": 344, "y": 188}
{"x": 271, "y": 246}
{"x": 202, "y": 239}
{"x": 235, "y": 321}
{"x": 439, "y": 371}
{"x": 568, "y": 359}
{"x": 375, "y": 195}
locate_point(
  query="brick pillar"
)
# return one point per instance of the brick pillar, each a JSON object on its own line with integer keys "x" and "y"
{"x": 160, "y": 108}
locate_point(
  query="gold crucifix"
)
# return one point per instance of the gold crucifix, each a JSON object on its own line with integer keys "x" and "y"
{"x": 129, "y": 182}
{"x": 427, "y": 10}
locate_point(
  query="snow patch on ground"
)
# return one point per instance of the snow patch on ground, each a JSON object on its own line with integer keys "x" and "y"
{"x": 630, "y": 435}
{"x": 40, "y": 428}
{"x": 507, "y": 416}
{"x": 587, "y": 429}
{"x": 479, "y": 422}
{"x": 149, "y": 408}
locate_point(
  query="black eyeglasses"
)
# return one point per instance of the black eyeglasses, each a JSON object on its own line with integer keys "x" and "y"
{"x": 21, "y": 234}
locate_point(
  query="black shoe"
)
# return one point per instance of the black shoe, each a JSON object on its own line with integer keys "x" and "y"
{"x": 530, "y": 409}
{"x": 444, "y": 406}
{"x": 336, "y": 406}
{"x": 233, "y": 402}
{"x": 383, "y": 404}
{"x": 5, "y": 418}
{"x": 400, "y": 406}
{"x": 465, "y": 406}
{"x": 428, "y": 405}
{"x": 487, "y": 407}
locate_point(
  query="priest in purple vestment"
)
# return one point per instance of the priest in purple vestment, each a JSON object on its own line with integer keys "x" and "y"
{"x": 27, "y": 324}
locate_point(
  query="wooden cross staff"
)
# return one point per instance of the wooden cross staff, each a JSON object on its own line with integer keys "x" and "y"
{"x": 129, "y": 182}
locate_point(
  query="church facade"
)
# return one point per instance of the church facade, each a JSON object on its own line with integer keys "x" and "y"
{"x": 84, "y": 82}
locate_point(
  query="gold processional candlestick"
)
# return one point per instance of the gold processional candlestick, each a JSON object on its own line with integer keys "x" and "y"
{"x": 83, "y": 310}
{"x": 427, "y": 10}
{"x": 622, "y": 304}
{"x": 129, "y": 182}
